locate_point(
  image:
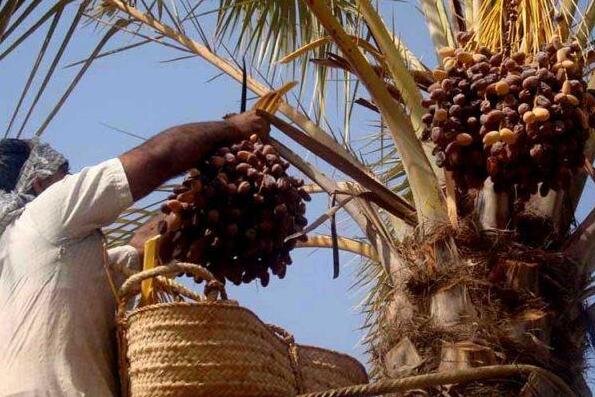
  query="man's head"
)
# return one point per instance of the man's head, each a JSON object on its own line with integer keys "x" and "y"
{"x": 29, "y": 166}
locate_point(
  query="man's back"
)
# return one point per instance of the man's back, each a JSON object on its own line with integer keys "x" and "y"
{"x": 56, "y": 306}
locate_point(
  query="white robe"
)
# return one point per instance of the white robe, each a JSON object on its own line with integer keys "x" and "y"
{"x": 56, "y": 305}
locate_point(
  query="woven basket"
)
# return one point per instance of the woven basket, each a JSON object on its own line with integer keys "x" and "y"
{"x": 321, "y": 369}
{"x": 213, "y": 347}
{"x": 206, "y": 348}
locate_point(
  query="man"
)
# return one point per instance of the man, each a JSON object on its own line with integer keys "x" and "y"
{"x": 56, "y": 306}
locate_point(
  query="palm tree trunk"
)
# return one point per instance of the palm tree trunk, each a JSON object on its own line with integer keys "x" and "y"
{"x": 504, "y": 303}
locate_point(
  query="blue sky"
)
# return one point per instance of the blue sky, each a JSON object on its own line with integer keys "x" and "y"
{"x": 137, "y": 93}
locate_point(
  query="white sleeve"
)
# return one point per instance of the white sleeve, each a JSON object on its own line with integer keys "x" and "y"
{"x": 81, "y": 203}
{"x": 124, "y": 260}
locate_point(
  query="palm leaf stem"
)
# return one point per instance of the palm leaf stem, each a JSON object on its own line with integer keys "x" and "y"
{"x": 386, "y": 199}
{"x": 427, "y": 195}
{"x": 404, "y": 82}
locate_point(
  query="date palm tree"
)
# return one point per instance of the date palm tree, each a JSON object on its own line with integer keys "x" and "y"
{"x": 459, "y": 278}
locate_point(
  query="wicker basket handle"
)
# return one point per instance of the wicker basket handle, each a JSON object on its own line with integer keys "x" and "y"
{"x": 293, "y": 352}
{"x": 282, "y": 333}
{"x": 214, "y": 289}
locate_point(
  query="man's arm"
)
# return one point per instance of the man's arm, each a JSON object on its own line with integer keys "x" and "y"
{"x": 180, "y": 148}
{"x": 93, "y": 198}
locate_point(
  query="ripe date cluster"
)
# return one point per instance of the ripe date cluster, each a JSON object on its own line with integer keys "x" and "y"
{"x": 233, "y": 213}
{"x": 520, "y": 119}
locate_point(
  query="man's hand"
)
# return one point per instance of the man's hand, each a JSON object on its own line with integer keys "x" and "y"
{"x": 145, "y": 232}
{"x": 180, "y": 148}
{"x": 249, "y": 123}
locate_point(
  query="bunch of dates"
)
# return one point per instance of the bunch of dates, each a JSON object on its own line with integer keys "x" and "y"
{"x": 520, "y": 119}
{"x": 233, "y": 213}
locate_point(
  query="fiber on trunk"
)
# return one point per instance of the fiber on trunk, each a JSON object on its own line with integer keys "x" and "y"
{"x": 521, "y": 305}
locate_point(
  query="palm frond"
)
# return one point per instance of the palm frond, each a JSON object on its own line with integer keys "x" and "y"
{"x": 56, "y": 8}
{"x": 267, "y": 28}
{"x": 437, "y": 22}
{"x": 326, "y": 40}
{"x": 313, "y": 188}
{"x": 9, "y": 29}
{"x": 400, "y": 74}
{"x": 583, "y": 32}
{"x": 231, "y": 70}
{"x": 114, "y": 51}
{"x": 414, "y": 64}
{"x": 124, "y": 227}
{"x": 68, "y": 36}
{"x": 427, "y": 196}
{"x": 404, "y": 81}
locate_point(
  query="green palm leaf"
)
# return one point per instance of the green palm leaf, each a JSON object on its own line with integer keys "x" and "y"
{"x": 438, "y": 23}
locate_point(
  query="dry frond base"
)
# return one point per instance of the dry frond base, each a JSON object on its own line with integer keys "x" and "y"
{"x": 514, "y": 289}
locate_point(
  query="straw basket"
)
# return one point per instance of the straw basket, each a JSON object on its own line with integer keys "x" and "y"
{"x": 213, "y": 347}
{"x": 321, "y": 369}
{"x": 209, "y": 347}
